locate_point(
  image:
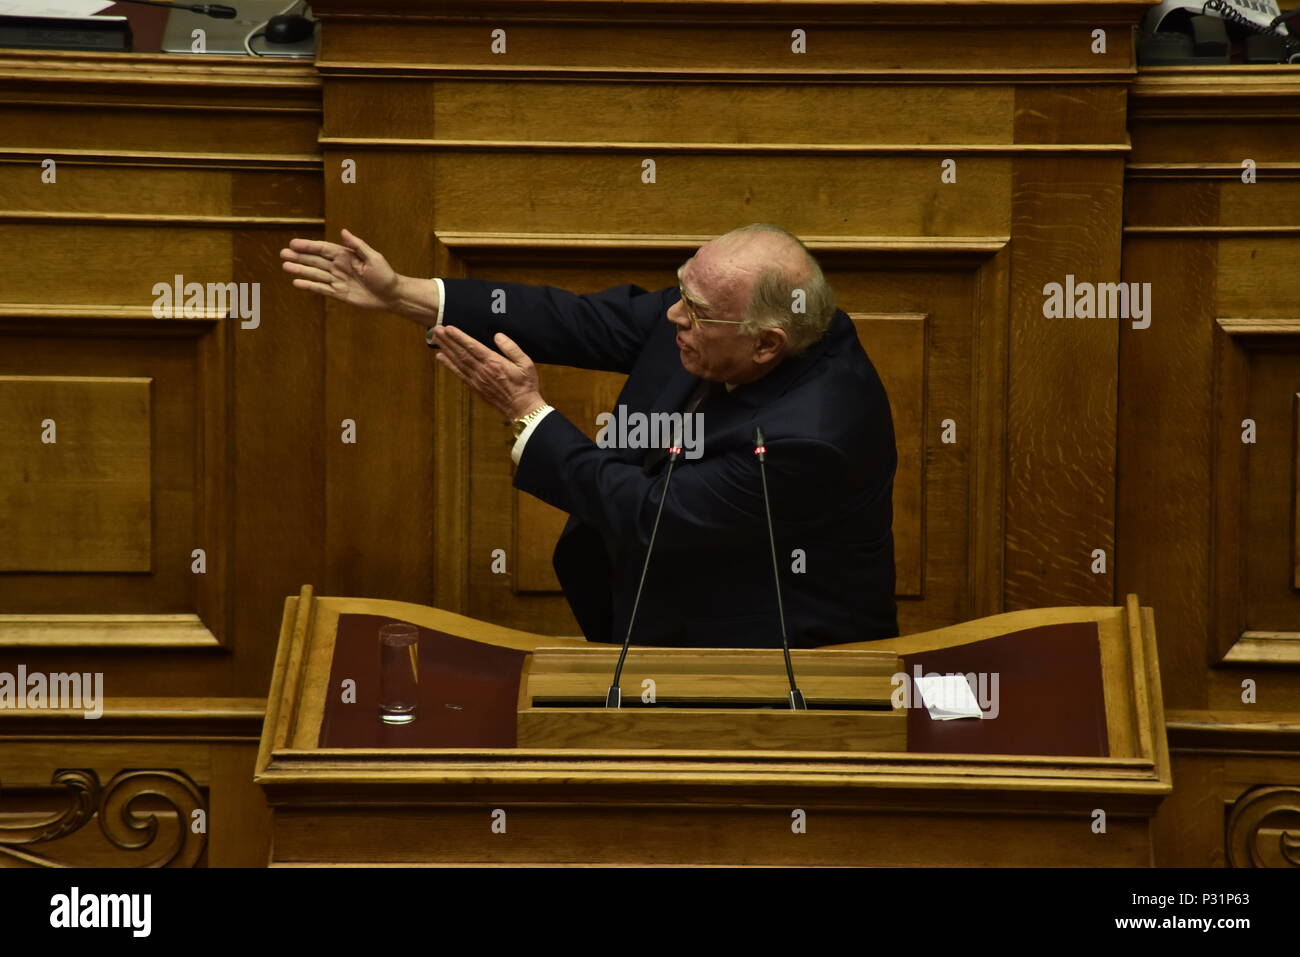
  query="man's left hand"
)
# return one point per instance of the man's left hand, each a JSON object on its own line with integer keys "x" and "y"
{"x": 507, "y": 382}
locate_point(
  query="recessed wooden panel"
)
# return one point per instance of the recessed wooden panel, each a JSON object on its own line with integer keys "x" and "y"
{"x": 1255, "y": 598}
{"x": 181, "y": 495}
{"x": 548, "y": 191}
{"x": 1272, "y": 604}
{"x": 75, "y": 476}
{"x": 896, "y": 345}
{"x": 1295, "y": 492}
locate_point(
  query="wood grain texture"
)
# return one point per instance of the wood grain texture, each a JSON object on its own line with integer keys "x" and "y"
{"x": 1163, "y": 499}
{"x": 1062, "y": 394}
{"x": 76, "y": 482}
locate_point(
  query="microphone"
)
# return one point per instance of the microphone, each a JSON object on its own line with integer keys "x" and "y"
{"x": 760, "y": 449}
{"x": 214, "y": 10}
{"x": 614, "y": 697}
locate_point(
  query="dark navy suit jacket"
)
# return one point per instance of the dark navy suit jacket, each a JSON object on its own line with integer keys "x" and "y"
{"x": 831, "y": 459}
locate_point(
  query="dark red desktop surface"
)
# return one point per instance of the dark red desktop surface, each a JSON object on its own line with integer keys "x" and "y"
{"x": 1050, "y": 697}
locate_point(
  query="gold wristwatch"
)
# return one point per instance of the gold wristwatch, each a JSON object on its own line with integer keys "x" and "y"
{"x": 521, "y": 424}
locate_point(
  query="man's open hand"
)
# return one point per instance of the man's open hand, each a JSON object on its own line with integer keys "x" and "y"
{"x": 506, "y": 382}
{"x": 352, "y": 273}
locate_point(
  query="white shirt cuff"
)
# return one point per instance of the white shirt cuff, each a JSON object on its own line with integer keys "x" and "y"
{"x": 516, "y": 453}
{"x": 442, "y": 301}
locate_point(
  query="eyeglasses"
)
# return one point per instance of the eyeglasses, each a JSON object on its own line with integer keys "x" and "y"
{"x": 696, "y": 320}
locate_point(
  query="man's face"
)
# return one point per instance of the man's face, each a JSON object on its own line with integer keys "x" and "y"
{"x": 716, "y": 351}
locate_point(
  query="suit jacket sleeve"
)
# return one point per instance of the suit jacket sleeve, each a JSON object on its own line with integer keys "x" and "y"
{"x": 599, "y": 330}
{"x": 717, "y": 497}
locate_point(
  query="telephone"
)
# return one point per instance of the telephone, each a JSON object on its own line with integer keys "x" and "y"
{"x": 1212, "y": 31}
{"x": 1255, "y": 15}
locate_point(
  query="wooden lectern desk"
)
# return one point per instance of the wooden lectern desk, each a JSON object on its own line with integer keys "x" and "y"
{"x": 514, "y": 759}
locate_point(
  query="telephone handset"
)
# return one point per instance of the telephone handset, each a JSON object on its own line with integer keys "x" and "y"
{"x": 1255, "y": 15}
{"x": 1245, "y": 18}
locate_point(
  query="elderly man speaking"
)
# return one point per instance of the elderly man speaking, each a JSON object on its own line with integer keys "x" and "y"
{"x": 749, "y": 336}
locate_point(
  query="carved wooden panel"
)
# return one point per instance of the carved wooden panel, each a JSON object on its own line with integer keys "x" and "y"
{"x": 116, "y": 178}
{"x": 1205, "y": 500}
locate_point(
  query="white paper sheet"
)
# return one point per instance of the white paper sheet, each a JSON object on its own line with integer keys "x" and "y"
{"x": 52, "y": 8}
{"x": 948, "y": 696}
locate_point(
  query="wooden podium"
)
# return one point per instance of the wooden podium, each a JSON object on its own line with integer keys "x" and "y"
{"x": 513, "y": 758}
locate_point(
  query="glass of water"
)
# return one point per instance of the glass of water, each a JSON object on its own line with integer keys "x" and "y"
{"x": 399, "y": 672}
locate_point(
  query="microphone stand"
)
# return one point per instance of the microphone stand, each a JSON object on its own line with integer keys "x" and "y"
{"x": 797, "y": 702}
{"x": 614, "y": 697}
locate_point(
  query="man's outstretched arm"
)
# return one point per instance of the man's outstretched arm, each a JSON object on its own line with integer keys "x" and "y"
{"x": 604, "y": 330}
{"x": 601, "y": 330}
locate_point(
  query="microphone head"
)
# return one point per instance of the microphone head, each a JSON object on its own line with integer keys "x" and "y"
{"x": 758, "y": 435}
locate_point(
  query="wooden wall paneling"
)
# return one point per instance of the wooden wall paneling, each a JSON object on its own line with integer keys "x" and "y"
{"x": 990, "y": 370}
{"x": 695, "y": 37}
{"x": 202, "y": 167}
{"x": 1165, "y": 471}
{"x": 1062, "y": 405}
{"x": 275, "y": 526}
{"x": 1200, "y": 511}
{"x": 68, "y": 104}
{"x": 148, "y": 188}
{"x": 896, "y": 345}
{"x": 382, "y": 530}
{"x": 696, "y": 193}
{"x": 77, "y": 500}
{"x": 1067, "y": 212}
{"x": 945, "y": 294}
{"x": 45, "y": 342}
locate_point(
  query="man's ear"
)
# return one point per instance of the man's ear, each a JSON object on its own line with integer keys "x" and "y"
{"x": 769, "y": 344}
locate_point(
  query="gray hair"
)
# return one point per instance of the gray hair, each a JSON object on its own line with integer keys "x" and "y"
{"x": 799, "y": 301}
